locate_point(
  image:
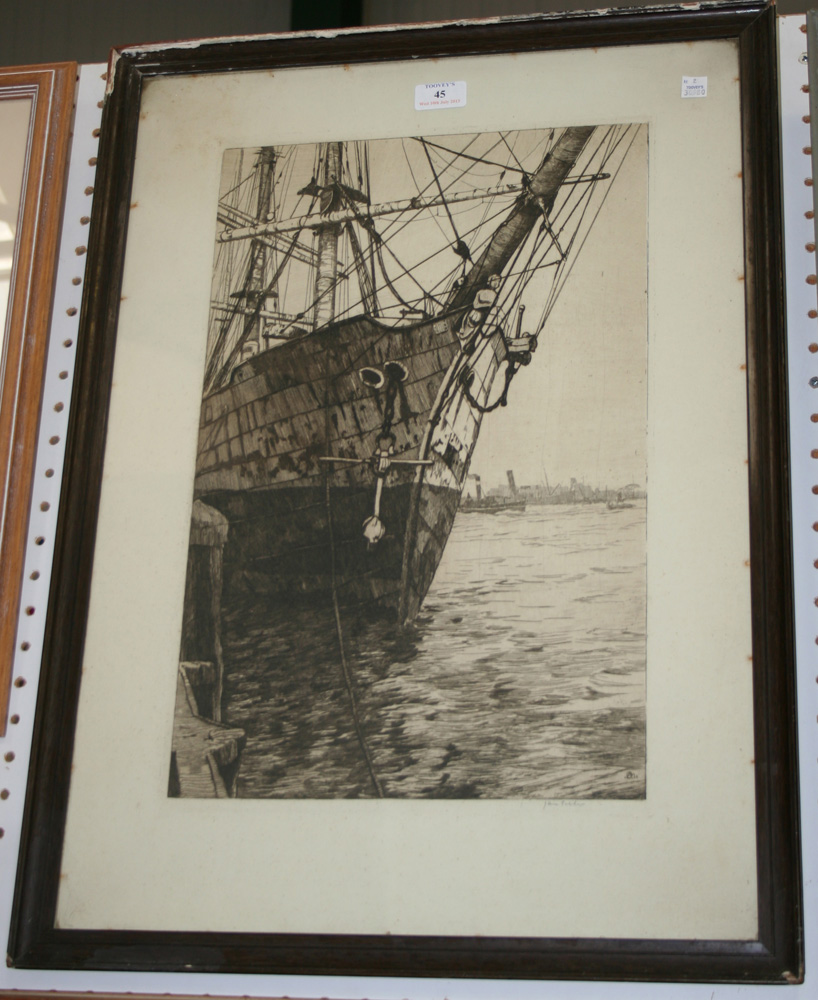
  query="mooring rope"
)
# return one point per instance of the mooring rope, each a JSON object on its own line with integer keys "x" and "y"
{"x": 345, "y": 671}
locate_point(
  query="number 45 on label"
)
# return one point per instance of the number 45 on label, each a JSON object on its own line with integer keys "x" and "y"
{"x": 437, "y": 96}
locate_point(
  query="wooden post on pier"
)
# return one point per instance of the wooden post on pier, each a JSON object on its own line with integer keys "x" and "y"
{"x": 201, "y": 622}
{"x": 206, "y": 755}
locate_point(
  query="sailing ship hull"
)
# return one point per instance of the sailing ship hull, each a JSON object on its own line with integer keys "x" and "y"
{"x": 307, "y": 544}
{"x": 296, "y": 517}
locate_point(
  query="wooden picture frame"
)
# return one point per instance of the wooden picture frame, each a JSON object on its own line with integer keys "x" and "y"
{"x": 50, "y": 91}
{"x": 40, "y": 936}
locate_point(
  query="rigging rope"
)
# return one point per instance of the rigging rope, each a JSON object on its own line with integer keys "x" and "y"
{"x": 475, "y": 159}
{"x": 556, "y": 291}
{"x": 396, "y": 226}
{"x": 519, "y": 165}
{"x": 410, "y": 218}
{"x": 379, "y": 251}
{"x": 432, "y": 215}
{"x": 460, "y": 247}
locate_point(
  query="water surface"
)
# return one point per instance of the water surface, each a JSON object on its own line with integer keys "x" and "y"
{"x": 522, "y": 677}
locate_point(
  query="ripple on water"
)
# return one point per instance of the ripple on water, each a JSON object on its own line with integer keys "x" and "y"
{"x": 523, "y": 676}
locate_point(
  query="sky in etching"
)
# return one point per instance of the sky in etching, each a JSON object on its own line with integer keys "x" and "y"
{"x": 579, "y": 409}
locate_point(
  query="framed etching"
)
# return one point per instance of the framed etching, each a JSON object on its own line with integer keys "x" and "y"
{"x": 36, "y": 103}
{"x": 426, "y": 502}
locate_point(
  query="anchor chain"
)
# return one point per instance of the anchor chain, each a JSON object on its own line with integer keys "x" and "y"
{"x": 517, "y": 350}
{"x": 467, "y": 381}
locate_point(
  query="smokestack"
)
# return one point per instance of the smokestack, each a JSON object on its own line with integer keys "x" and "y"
{"x": 511, "y": 483}
{"x": 478, "y": 488}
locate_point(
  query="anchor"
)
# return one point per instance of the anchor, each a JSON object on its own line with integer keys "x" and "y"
{"x": 381, "y": 458}
{"x": 382, "y": 462}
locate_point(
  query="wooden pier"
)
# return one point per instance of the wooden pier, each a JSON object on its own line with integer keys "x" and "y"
{"x": 205, "y": 755}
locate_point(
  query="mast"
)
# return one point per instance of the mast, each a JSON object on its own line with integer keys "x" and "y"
{"x": 534, "y": 203}
{"x": 254, "y": 289}
{"x": 248, "y": 302}
{"x": 326, "y": 274}
{"x": 365, "y": 280}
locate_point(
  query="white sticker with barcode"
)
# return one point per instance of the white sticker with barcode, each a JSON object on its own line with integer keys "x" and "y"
{"x": 434, "y": 96}
{"x": 694, "y": 86}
